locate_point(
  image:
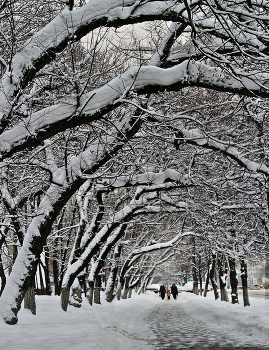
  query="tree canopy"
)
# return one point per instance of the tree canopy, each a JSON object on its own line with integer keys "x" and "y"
{"x": 118, "y": 113}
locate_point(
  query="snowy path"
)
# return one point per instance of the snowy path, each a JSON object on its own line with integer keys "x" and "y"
{"x": 178, "y": 326}
{"x": 144, "y": 322}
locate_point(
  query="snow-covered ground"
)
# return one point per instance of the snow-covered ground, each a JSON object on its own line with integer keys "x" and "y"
{"x": 126, "y": 324}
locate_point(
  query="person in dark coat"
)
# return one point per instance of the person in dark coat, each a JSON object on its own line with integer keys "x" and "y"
{"x": 174, "y": 290}
{"x": 162, "y": 291}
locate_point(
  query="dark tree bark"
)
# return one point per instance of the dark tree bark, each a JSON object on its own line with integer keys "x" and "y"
{"x": 65, "y": 297}
{"x": 64, "y": 251}
{"x": 55, "y": 269}
{"x": 222, "y": 279}
{"x": 29, "y": 299}
{"x": 90, "y": 292}
{"x": 119, "y": 289}
{"x": 212, "y": 276}
{"x": 200, "y": 277}
{"x": 110, "y": 294}
{"x": 2, "y": 275}
{"x": 194, "y": 272}
{"x": 206, "y": 281}
{"x": 234, "y": 281}
{"x": 46, "y": 271}
{"x": 244, "y": 277}
{"x": 126, "y": 287}
{"x": 14, "y": 256}
{"x": 82, "y": 282}
{"x": 97, "y": 289}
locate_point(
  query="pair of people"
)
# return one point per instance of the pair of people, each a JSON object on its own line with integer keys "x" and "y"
{"x": 174, "y": 291}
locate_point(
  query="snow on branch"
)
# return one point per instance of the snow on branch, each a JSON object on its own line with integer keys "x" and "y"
{"x": 93, "y": 105}
{"x": 71, "y": 26}
{"x": 143, "y": 179}
{"x": 140, "y": 200}
{"x": 157, "y": 246}
{"x": 49, "y": 208}
{"x": 197, "y": 137}
{"x": 135, "y": 254}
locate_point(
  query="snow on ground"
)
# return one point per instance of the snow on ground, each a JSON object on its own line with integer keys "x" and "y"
{"x": 125, "y": 324}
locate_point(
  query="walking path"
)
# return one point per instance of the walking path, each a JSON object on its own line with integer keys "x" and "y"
{"x": 176, "y": 325}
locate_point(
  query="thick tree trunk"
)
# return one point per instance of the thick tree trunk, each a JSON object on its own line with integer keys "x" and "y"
{"x": 111, "y": 282}
{"x": 23, "y": 272}
{"x": 195, "y": 282}
{"x": 234, "y": 281}
{"x": 126, "y": 287}
{"x": 244, "y": 277}
{"x": 119, "y": 288}
{"x": 3, "y": 276}
{"x": 82, "y": 283}
{"x": 55, "y": 269}
{"x": 46, "y": 271}
{"x": 140, "y": 289}
{"x": 110, "y": 293}
{"x": 42, "y": 287}
{"x": 212, "y": 276}
{"x": 200, "y": 280}
{"x": 90, "y": 292}
{"x": 222, "y": 279}
{"x": 206, "y": 282}
{"x": 97, "y": 290}
{"x": 29, "y": 299}
{"x": 65, "y": 297}
{"x": 130, "y": 292}
{"x": 194, "y": 272}
{"x": 75, "y": 298}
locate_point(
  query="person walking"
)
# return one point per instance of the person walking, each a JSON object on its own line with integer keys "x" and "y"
{"x": 168, "y": 294}
{"x": 162, "y": 291}
{"x": 174, "y": 291}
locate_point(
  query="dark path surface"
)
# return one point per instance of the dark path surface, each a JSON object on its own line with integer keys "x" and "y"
{"x": 175, "y": 328}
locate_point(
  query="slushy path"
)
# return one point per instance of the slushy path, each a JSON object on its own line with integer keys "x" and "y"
{"x": 176, "y": 325}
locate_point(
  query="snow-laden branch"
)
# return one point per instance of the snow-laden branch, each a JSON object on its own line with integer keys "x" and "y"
{"x": 140, "y": 200}
{"x": 117, "y": 234}
{"x": 56, "y": 196}
{"x": 151, "y": 248}
{"x": 197, "y": 137}
{"x": 158, "y": 246}
{"x": 151, "y": 182}
{"x": 51, "y": 120}
{"x": 148, "y": 177}
{"x": 100, "y": 237}
{"x": 164, "y": 257}
{"x": 164, "y": 48}
{"x": 82, "y": 199}
{"x": 71, "y": 26}
{"x": 248, "y": 206}
{"x": 238, "y": 36}
{"x": 112, "y": 239}
{"x": 110, "y": 233}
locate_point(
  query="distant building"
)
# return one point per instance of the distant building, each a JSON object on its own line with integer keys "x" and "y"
{"x": 256, "y": 271}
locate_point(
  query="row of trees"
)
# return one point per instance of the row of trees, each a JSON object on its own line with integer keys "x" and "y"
{"x": 119, "y": 145}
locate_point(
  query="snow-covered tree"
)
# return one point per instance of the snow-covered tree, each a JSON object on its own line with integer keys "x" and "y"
{"x": 71, "y": 99}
